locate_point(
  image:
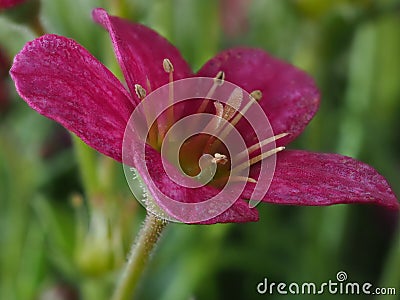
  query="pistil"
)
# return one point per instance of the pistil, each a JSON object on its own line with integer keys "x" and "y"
{"x": 220, "y": 159}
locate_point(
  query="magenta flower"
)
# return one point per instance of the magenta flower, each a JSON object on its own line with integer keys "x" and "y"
{"x": 9, "y": 3}
{"x": 61, "y": 80}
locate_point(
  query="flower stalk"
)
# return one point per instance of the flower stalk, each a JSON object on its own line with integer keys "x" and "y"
{"x": 147, "y": 239}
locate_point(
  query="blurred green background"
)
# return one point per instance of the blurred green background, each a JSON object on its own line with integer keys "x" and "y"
{"x": 67, "y": 217}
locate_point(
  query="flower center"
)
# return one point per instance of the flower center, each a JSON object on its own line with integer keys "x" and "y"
{"x": 204, "y": 156}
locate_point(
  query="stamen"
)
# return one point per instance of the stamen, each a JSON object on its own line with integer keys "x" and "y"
{"x": 257, "y": 146}
{"x": 265, "y": 155}
{"x": 256, "y": 159}
{"x": 219, "y": 78}
{"x": 220, "y": 159}
{"x": 257, "y": 95}
{"x": 168, "y": 68}
{"x": 218, "y": 81}
{"x": 222, "y": 180}
{"x": 243, "y": 178}
{"x": 140, "y": 91}
{"x": 167, "y": 65}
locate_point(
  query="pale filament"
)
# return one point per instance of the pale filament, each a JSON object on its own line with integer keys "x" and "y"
{"x": 218, "y": 81}
{"x": 233, "y": 179}
{"x": 242, "y": 179}
{"x": 256, "y": 159}
{"x": 168, "y": 68}
{"x": 257, "y": 146}
{"x": 154, "y": 132}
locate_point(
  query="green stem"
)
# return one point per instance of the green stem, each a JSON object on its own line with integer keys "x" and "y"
{"x": 139, "y": 256}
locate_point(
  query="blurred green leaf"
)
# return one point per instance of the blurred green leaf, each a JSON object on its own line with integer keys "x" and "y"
{"x": 13, "y": 36}
{"x": 17, "y": 187}
{"x": 73, "y": 19}
{"x": 360, "y": 90}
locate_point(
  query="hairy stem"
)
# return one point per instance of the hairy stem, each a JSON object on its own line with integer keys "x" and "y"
{"x": 139, "y": 256}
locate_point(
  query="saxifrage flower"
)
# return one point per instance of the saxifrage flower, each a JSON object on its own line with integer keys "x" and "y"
{"x": 61, "y": 80}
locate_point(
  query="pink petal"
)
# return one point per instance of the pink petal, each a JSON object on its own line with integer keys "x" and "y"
{"x": 140, "y": 52}
{"x": 9, "y": 3}
{"x": 307, "y": 178}
{"x": 290, "y": 97}
{"x": 238, "y": 212}
{"x": 61, "y": 80}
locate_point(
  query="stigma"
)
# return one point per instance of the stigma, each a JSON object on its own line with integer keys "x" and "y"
{"x": 219, "y": 159}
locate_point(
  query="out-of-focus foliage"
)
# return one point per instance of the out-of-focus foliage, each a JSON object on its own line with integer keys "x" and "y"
{"x": 67, "y": 217}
